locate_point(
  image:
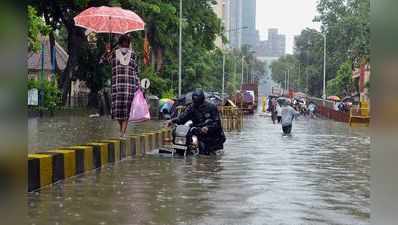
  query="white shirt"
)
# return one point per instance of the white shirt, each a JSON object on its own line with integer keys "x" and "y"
{"x": 278, "y": 110}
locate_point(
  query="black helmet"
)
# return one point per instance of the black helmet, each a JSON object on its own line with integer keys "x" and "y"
{"x": 198, "y": 98}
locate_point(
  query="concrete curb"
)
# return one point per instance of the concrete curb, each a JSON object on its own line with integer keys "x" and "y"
{"x": 46, "y": 168}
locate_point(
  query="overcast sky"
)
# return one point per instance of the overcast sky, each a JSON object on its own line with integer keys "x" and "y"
{"x": 290, "y": 16}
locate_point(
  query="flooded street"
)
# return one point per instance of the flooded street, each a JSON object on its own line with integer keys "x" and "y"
{"x": 320, "y": 175}
{"x": 65, "y": 130}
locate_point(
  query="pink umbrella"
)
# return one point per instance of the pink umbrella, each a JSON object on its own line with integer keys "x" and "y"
{"x": 109, "y": 20}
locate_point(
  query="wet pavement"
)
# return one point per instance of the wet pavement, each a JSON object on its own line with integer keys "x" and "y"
{"x": 66, "y": 130}
{"x": 320, "y": 175}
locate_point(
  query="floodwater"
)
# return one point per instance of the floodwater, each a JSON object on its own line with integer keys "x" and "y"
{"x": 319, "y": 176}
{"x": 65, "y": 130}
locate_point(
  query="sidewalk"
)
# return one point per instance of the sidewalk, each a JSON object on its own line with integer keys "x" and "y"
{"x": 52, "y": 132}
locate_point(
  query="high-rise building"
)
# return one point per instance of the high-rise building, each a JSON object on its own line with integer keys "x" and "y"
{"x": 239, "y": 14}
{"x": 235, "y": 22}
{"x": 275, "y": 46}
{"x": 249, "y": 34}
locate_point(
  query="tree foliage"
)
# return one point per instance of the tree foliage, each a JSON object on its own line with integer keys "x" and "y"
{"x": 346, "y": 24}
{"x": 202, "y": 61}
{"x": 341, "y": 85}
{"x": 36, "y": 28}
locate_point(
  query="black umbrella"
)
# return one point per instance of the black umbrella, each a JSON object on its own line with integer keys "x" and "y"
{"x": 347, "y": 99}
{"x": 282, "y": 100}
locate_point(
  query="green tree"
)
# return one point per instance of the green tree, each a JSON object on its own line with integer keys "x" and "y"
{"x": 286, "y": 65}
{"x": 200, "y": 28}
{"x": 346, "y": 26}
{"x": 341, "y": 85}
{"x": 201, "y": 60}
{"x": 309, "y": 52}
{"x": 59, "y": 14}
{"x": 36, "y": 28}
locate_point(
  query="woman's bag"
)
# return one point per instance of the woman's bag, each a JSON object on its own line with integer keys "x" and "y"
{"x": 139, "y": 110}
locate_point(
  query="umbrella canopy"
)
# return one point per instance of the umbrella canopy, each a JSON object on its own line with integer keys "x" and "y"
{"x": 347, "y": 99}
{"x": 300, "y": 94}
{"x": 215, "y": 99}
{"x": 109, "y": 20}
{"x": 282, "y": 100}
{"x": 164, "y": 101}
{"x": 334, "y": 98}
{"x": 166, "y": 107}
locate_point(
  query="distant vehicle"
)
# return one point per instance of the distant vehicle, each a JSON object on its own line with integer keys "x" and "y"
{"x": 246, "y": 100}
{"x": 276, "y": 91}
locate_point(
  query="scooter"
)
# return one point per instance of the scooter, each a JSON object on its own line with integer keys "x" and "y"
{"x": 184, "y": 142}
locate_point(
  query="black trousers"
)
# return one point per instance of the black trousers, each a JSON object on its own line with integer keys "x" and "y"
{"x": 287, "y": 129}
{"x": 279, "y": 119}
{"x": 208, "y": 147}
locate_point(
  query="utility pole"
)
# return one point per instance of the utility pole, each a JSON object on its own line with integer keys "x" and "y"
{"x": 223, "y": 76}
{"x": 299, "y": 79}
{"x": 288, "y": 80}
{"x": 241, "y": 81}
{"x": 324, "y": 66}
{"x": 235, "y": 68}
{"x": 248, "y": 73}
{"x": 285, "y": 80}
{"x": 223, "y": 52}
{"x": 306, "y": 81}
{"x": 180, "y": 54}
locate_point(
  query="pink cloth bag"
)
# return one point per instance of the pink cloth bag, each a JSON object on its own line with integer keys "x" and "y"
{"x": 139, "y": 111}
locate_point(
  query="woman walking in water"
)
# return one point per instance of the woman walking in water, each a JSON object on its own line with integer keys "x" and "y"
{"x": 124, "y": 82}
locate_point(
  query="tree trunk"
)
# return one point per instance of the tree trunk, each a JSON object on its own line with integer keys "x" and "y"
{"x": 75, "y": 38}
{"x": 159, "y": 59}
{"x": 52, "y": 46}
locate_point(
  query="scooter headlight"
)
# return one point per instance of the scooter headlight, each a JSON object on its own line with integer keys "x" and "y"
{"x": 180, "y": 140}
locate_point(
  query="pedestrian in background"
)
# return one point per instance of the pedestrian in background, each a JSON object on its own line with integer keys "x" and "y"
{"x": 288, "y": 114}
{"x": 273, "y": 106}
{"x": 279, "y": 112}
{"x": 311, "y": 109}
{"x": 125, "y": 81}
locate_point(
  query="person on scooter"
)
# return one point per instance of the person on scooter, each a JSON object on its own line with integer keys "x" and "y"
{"x": 206, "y": 119}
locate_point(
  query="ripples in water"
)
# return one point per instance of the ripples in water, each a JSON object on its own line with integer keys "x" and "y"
{"x": 320, "y": 175}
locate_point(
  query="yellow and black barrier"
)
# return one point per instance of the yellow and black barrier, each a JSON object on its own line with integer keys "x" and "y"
{"x": 135, "y": 145}
{"x": 151, "y": 141}
{"x": 69, "y": 162}
{"x": 159, "y": 140}
{"x": 48, "y": 167}
{"x": 100, "y": 153}
{"x": 114, "y": 150}
{"x": 39, "y": 171}
{"x": 83, "y": 157}
{"x": 57, "y": 165}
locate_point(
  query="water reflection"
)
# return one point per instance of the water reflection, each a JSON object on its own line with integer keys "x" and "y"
{"x": 65, "y": 130}
{"x": 320, "y": 175}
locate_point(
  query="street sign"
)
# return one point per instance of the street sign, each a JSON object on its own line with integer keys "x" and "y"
{"x": 33, "y": 97}
{"x": 145, "y": 83}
